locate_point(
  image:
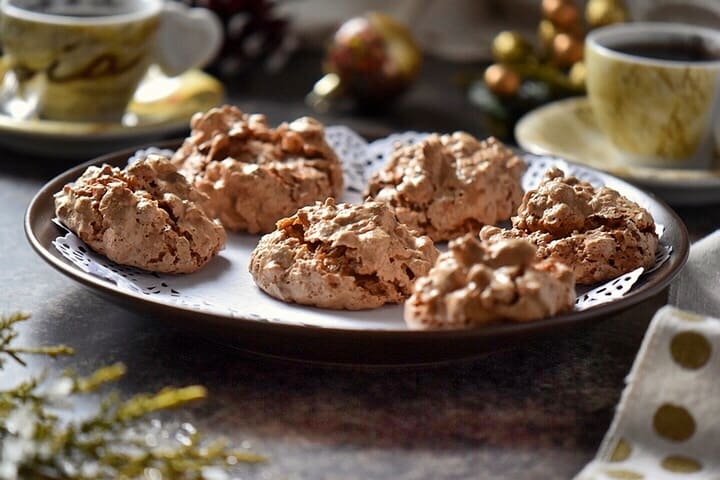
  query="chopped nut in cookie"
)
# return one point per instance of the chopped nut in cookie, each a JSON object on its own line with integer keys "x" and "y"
{"x": 478, "y": 283}
{"x": 145, "y": 216}
{"x": 341, "y": 256}
{"x": 597, "y": 232}
{"x": 254, "y": 175}
{"x": 449, "y": 185}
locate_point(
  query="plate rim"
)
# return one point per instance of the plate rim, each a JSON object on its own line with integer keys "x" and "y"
{"x": 38, "y": 206}
{"x": 100, "y": 131}
{"x": 706, "y": 182}
{"x": 78, "y": 131}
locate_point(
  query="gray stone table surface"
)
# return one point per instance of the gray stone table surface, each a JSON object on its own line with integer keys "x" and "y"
{"x": 538, "y": 411}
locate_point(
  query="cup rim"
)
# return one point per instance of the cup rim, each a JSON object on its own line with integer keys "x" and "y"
{"x": 594, "y": 38}
{"x": 150, "y": 9}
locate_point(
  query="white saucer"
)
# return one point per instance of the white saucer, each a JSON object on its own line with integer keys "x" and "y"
{"x": 161, "y": 108}
{"x": 567, "y": 129}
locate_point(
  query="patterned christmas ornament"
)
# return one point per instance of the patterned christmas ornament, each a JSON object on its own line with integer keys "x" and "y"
{"x": 372, "y": 59}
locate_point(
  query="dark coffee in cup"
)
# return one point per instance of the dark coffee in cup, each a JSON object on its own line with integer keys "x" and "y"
{"x": 79, "y": 8}
{"x": 689, "y": 50}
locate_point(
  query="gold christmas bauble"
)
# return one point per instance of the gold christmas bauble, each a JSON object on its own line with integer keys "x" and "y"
{"x": 501, "y": 80}
{"x": 566, "y": 50}
{"x": 372, "y": 58}
{"x": 511, "y": 47}
{"x": 605, "y": 12}
{"x": 549, "y": 6}
{"x": 546, "y": 33}
{"x": 577, "y": 75}
{"x": 562, "y": 13}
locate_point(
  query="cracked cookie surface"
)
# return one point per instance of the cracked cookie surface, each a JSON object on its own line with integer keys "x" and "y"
{"x": 599, "y": 233}
{"x": 475, "y": 284}
{"x": 145, "y": 216}
{"x": 449, "y": 185}
{"x": 341, "y": 256}
{"x": 254, "y": 175}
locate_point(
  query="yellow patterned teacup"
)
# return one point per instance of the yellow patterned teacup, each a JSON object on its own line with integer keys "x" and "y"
{"x": 82, "y": 60}
{"x": 660, "y": 112}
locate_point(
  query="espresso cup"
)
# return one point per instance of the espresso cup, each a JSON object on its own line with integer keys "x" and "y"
{"x": 82, "y": 60}
{"x": 654, "y": 89}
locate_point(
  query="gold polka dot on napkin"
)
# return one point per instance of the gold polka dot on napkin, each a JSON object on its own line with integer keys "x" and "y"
{"x": 621, "y": 451}
{"x": 667, "y": 425}
{"x": 673, "y": 422}
{"x": 680, "y": 464}
{"x": 690, "y": 349}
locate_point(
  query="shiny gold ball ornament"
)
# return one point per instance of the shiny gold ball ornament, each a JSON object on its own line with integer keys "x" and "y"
{"x": 550, "y": 6}
{"x": 511, "y": 47}
{"x": 546, "y": 34}
{"x": 577, "y": 75}
{"x": 372, "y": 59}
{"x": 566, "y": 50}
{"x": 501, "y": 80}
{"x": 563, "y": 14}
{"x": 605, "y": 12}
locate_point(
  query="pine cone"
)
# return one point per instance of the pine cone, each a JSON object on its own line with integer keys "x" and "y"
{"x": 254, "y": 35}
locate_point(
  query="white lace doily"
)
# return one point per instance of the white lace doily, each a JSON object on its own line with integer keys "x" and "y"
{"x": 226, "y": 288}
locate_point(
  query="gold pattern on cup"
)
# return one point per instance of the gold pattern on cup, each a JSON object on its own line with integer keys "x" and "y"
{"x": 647, "y": 110}
{"x": 81, "y": 72}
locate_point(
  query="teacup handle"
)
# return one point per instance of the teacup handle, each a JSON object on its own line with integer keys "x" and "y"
{"x": 187, "y": 38}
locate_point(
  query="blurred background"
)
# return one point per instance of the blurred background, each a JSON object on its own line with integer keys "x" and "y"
{"x": 463, "y": 30}
{"x": 500, "y": 58}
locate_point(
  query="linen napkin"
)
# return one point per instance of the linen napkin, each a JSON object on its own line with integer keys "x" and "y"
{"x": 667, "y": 425}
{"x": 697, "y": 288}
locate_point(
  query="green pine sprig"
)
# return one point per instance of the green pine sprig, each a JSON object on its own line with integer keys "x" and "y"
{"x": 120, "y": 441}
{"x": 8, "y": 334}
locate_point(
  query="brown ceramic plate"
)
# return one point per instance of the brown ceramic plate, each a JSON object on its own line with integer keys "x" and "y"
{"x": 352, "y": 345}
